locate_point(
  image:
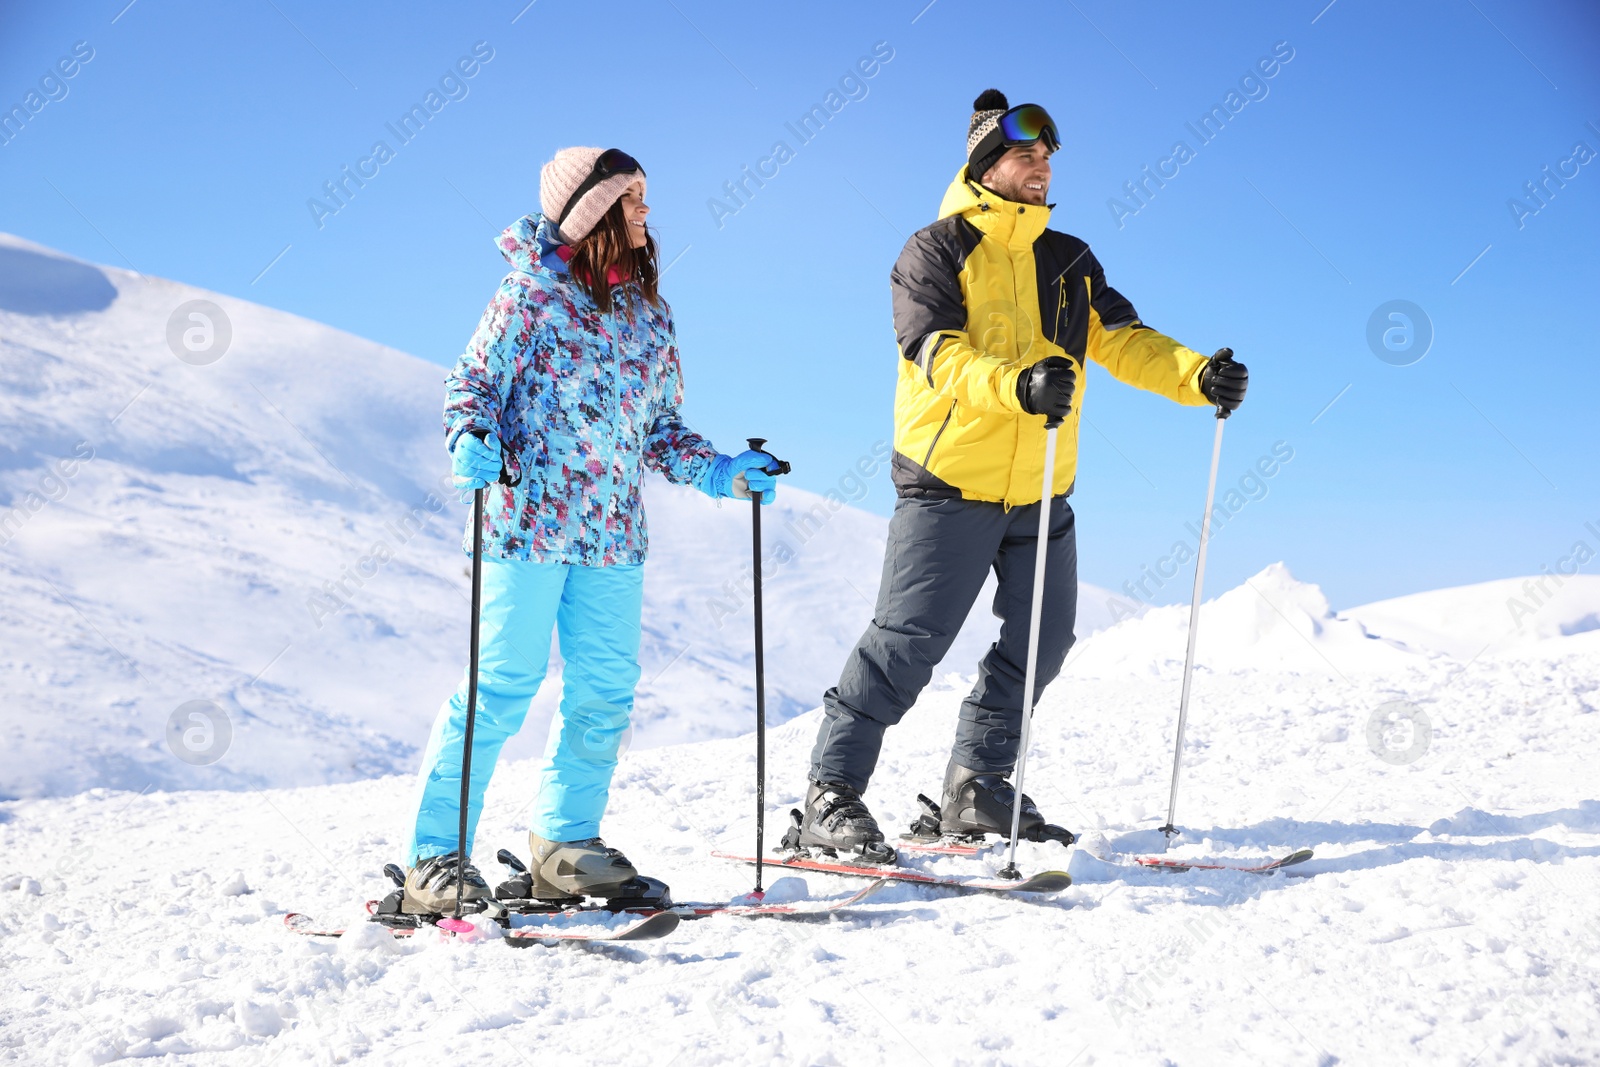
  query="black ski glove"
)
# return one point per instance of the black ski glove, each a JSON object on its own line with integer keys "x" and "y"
{"x": 1223, "y": 382}
{"x": 1046, "y": 388}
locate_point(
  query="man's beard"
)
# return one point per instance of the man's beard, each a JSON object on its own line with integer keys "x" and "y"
{"x": 1017, "y": 193}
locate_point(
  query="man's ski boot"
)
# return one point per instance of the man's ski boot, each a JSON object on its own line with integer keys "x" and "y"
{"x": 568, "y": 871}
{"x": 836, "y": 822}
{"x": 429, "y": 888}
{"x": 975, "y": 803}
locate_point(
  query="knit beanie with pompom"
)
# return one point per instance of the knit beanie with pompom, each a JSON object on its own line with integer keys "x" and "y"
{"x": 986, "y": 112}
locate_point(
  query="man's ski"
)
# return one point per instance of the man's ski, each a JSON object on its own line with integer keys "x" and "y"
{"x": 936, "y": 847}
{"x": 955, "y": 847}
{"x": 1163, "y": 864}
{"x": 940, "y": 847}
{"x": 648, "y": 928}
{"x": 1045, "y": 882}
{"x": 800, "y": 910}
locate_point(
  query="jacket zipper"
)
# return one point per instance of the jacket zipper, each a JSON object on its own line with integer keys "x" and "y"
{"x": 613, "y": 487}
{"x": 938, "y": 434}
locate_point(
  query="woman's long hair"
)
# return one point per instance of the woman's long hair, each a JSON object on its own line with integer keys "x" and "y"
{"x": 607, "y": 246}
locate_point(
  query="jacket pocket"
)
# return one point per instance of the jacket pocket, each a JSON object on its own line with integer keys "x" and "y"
{"x": 938, "y": 434}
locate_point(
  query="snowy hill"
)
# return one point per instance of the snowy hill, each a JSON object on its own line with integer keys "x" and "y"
{"x": 213, "y": 526}
{"x": 170, "y": 526}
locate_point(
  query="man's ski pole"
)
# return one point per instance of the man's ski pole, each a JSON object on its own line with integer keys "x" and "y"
{"x": 472, "y": 698}
{"x": 1171, "y": 829}
{"x": 778, "y": 466}
{"x": 1035, "y": 612}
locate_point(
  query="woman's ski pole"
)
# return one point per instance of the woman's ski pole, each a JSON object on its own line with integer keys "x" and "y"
{"x": 472, "y": 694}
{"x": 1035, "y": 612}
{"x": 1171, "y": 829}
{"x": 777, "y": 466}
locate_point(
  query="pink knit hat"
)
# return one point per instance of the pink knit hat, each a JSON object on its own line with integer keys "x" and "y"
{"x": 560, "y": 178}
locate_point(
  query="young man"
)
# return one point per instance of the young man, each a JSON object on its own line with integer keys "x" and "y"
{"x": 995, "y": 315}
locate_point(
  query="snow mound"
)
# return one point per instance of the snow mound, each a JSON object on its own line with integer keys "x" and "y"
{"x": 1272, "y": 620}
{"x": 1502, "y": 615}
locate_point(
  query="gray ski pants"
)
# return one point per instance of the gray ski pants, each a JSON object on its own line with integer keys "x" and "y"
{"x": 938, "y": 555}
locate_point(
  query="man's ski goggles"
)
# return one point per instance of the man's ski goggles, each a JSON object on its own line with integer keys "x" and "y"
{"x": 1027, "y": 123}
{"x": 611, "y": 161}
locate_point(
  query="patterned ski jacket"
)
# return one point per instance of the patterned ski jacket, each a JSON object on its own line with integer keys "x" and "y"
{"x": 582, "y": 403}
{"x": 980, "y": 296}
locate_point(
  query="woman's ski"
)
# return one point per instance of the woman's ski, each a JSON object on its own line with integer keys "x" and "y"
{"x": 642, "y": 928}
{"x": 666, "y": 918}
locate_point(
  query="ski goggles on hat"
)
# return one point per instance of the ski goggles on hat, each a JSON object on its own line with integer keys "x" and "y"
{"x": 611, "y": 162}
{"x": 1027, "y": 123}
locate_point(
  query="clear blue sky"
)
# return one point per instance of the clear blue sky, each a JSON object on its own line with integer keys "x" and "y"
{"x": 1375, "y": 165}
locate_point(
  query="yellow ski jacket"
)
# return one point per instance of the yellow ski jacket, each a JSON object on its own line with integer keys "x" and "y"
{"x": 981, "y": 295}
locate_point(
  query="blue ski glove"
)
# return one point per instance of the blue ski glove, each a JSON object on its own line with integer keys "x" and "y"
{"x": 475, "y": 462}
{"x": 740, "y": 477}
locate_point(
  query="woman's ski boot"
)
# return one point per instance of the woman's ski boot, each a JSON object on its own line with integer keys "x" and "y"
{"x": 429, "y": 888}
{"x": 569, "y": 871}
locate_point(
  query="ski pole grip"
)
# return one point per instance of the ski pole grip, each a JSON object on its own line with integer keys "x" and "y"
{"x": 1222, "y": 356}
{"x": 777, "y": 466}
{"x": 505, "y": 477}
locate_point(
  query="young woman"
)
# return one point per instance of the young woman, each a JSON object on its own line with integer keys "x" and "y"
{"x": 566, "y": 393}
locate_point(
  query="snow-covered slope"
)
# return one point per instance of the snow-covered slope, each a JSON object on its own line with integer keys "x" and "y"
{"x": 262, "y": 526}
{"x": 1448, "y": 917}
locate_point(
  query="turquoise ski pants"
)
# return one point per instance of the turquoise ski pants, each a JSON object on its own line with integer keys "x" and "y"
{"x": 596, "y": 611}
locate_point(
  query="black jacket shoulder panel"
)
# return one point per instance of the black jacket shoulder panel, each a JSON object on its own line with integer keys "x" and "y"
{"x": 1062, "y": 263}
{"x": 925, "y": 284}
{"x": 1115, "y": 310}
{"x": 1061, "y": 254}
